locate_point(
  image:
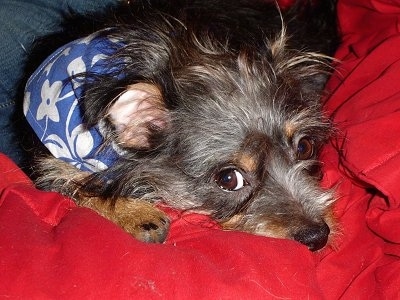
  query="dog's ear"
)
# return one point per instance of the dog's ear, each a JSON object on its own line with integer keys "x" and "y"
{"x": 313, "y": 86}
{"x": 137, "y": 113}
{"x": 310, "y": 70}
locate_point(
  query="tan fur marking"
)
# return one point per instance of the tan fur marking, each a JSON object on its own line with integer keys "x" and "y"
{"x": 247, "y": 162}
{"x": 233, "y": 223}
{"x": 268, "y": 228}
{"x": 336, "y": 233}
{"x": 289, "y": 129}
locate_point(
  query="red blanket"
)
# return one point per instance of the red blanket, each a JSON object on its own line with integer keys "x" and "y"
{"x": 49, "y": 248}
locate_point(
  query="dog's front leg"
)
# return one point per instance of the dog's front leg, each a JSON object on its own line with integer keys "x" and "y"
{"x": 138, "y": 217}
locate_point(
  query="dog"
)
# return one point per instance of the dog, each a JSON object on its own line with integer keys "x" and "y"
{"x": 212, "y": 107}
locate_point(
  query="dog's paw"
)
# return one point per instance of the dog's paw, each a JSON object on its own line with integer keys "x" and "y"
{"x": 142, "y": 220}
{"x": 150, "y": 230}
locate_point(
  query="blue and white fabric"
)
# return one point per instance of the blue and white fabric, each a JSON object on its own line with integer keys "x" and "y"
{"x": 51, "y": 103}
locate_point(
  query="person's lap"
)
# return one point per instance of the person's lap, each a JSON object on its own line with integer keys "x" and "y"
{"x": 21, "y": 21}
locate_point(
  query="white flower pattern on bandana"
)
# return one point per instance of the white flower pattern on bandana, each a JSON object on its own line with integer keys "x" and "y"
{"x": 50, "y": 97}
{"x": 51, "y": 104}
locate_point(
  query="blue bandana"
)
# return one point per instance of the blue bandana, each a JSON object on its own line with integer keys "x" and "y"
{"x": 51, "y": 104}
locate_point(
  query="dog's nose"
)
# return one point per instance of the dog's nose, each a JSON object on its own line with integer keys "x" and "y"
{"x": 314, "y": 237}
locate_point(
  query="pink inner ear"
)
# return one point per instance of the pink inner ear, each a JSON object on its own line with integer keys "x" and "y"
{"x": 135, "y": 112}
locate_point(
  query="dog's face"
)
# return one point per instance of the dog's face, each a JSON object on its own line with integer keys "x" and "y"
{"x": 249, "y": 149}
{"x": 231, "y": 132}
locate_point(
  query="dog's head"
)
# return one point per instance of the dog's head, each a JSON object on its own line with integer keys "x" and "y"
{"x": 231, "y": 132}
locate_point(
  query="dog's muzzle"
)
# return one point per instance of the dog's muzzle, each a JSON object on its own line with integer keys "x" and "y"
{"x": 314, "y": 237}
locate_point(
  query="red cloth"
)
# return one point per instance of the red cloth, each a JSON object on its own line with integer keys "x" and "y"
{"x": 49, "y": 248}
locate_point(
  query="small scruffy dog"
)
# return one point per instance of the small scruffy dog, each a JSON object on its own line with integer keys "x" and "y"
{"x": 213, "y": 107}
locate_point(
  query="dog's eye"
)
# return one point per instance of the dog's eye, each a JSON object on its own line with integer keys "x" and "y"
{"x": 305, "y": 148}
{"x": 230, "y": 180}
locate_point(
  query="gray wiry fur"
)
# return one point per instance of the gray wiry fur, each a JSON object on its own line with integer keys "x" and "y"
{"x": 225, "y": 111}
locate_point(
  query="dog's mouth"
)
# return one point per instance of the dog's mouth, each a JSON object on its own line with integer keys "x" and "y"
{"x": 314, "y": 235}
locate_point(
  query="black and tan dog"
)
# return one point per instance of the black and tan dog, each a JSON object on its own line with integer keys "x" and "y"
{"x": 217, "y": 112}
